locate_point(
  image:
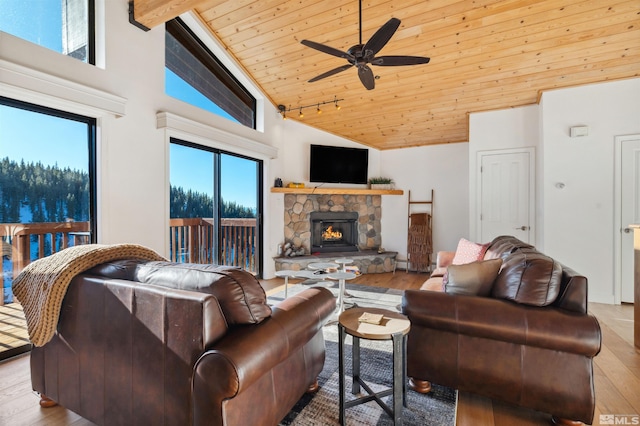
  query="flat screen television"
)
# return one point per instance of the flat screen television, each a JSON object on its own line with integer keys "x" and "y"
{"x": 334, "y": 164}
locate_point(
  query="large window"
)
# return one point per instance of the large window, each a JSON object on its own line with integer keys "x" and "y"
{"x": 194, "y": 75}
{"x": 65, "y": 26}
{"x": 47, "y": 193}
{"x": 215, "y": 207}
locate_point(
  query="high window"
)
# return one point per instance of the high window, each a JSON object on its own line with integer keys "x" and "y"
{"x": 47, "y": 191}
{"x": 65, "y": 26}
{"x": 194, "y": 75}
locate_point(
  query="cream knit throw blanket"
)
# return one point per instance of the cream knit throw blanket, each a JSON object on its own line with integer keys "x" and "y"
{"x": 42, "y": 284}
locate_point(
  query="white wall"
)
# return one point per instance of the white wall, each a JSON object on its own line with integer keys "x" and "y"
{"x": 574, "y": 224}
{"x": 579, "y": 219}
{"x": 442, "y": 168}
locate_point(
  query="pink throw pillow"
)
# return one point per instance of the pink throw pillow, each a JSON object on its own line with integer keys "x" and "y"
{"x": 468, "y": 252}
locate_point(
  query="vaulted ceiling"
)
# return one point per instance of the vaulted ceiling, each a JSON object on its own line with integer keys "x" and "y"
{"x": 485, "y": 55}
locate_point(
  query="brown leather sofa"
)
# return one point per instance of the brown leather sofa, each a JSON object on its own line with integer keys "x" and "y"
{"x": 143, "y": 342}
{"x": 531, "y": 342}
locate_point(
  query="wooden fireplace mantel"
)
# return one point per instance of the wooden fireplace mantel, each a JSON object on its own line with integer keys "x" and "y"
{"x": 338, "y": 191}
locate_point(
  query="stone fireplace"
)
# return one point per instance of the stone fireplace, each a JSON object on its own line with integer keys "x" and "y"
{"x": 357, "y": 217}
{"x": 363, "y": 210}
{"x": 334, "y": 231}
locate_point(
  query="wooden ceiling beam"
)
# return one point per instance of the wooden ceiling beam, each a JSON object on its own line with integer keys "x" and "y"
{"x": 151, "y": 13}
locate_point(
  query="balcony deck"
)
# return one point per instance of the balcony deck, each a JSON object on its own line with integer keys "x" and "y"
{"x": 13, "y": 331}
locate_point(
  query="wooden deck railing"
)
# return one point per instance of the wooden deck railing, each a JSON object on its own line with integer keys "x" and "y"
{"x": 23, "y": 243}
{"x": 191, "y": 240}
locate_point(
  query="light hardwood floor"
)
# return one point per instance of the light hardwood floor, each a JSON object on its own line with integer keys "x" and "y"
{"x": 617, "y": 374}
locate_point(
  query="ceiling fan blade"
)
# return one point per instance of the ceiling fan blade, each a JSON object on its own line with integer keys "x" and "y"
{"x": 381, "y": 37}
{"x": 392, "y": 61}
{"x": 330, "y": 73}
{"x": 326, "y": 49}
{"x": 366, "y": 76}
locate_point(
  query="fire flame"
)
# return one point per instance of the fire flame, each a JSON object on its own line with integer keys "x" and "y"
{"x": 330, "y": 234}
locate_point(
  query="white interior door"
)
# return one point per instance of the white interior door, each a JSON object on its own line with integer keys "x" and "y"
{"x": 630, "y": 211}
{"x": 506, "y": 194}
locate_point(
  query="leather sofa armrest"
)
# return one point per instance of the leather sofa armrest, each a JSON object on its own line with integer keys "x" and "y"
{"x": 247, "y": 352}
{"x": 502, "y": 320}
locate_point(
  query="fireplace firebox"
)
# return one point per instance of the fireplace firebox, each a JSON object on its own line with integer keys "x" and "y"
{"x": 334, "y": 231}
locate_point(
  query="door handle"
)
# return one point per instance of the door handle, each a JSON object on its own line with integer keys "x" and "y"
{"x": 523, "y": 228}
{"x": 627, "y": 230}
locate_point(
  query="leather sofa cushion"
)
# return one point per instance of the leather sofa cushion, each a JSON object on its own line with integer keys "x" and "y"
{"x": 122, "y": 269}
{"x": 504, "y": 245}
{"x": 530, "y": 278}
{"x": 241, "y": 297}
{"x": 473, "y": 279}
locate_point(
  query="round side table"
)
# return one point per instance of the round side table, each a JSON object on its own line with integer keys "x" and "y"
{"x": 341, "y": 277}
{"x": 322, "y": 265}
{"x": 344, "y": 261}
{"x": 395, "y": 327}
{"x": 289, "y": 273}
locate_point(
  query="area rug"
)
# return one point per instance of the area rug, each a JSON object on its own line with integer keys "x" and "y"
{"x": 437, "y": 408}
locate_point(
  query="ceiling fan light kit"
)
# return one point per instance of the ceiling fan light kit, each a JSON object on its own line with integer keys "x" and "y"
{"x": 361, "y": 55}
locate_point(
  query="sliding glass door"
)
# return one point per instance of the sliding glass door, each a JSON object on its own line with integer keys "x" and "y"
{"x": 47, "y": 196}
{"x": 215, "y": 207}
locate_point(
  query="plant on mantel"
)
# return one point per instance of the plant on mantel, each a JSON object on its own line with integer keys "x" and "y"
{"x": 381, "y": 183}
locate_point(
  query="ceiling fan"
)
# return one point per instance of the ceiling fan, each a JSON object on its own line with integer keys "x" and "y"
{"x": 361, "y": 55}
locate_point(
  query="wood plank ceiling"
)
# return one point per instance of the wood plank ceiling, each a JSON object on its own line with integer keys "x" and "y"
{"x": 485, "y": 55}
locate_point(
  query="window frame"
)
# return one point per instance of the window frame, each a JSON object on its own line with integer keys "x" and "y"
{"x": 92, "y": 126}
{"x": 217, "y": 180}
{"x": 178, "y": 29}
{"x": 91, "y": 36}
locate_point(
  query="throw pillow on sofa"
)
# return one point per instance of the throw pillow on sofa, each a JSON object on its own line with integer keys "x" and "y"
{"x": 529, "y": 278}
{"x": 466, "y": 252}
{"x": 473, "y": 279}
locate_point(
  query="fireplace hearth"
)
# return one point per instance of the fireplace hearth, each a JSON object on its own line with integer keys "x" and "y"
{"x": 334, "y": 232}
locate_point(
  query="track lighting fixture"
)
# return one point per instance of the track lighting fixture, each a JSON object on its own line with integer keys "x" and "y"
{"x": 283, "y": 110}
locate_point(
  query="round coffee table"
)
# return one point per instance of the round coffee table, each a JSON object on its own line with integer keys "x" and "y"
{"x": 395, "y": 327}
